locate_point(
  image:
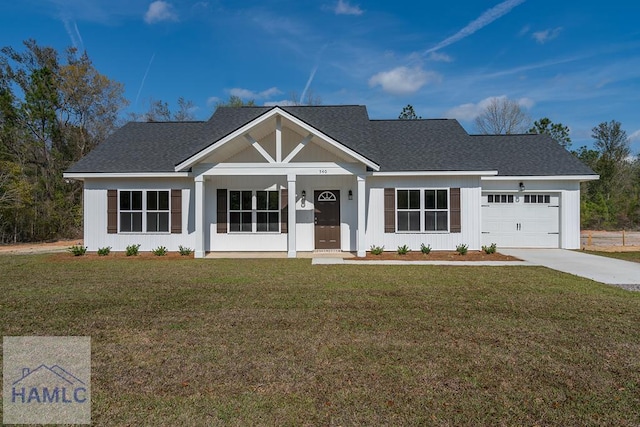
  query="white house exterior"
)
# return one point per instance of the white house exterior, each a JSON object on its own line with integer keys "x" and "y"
{"x": 326, "y": 178}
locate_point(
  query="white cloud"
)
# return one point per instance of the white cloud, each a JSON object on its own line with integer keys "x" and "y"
{"x": 546, "y": 35}
{"x": 160, "y": 11}
{"x": 468, "y": 112}
{"x": 439, "y": 57}
{"x": 344, "y": 8}
{"x": 482, "y": 21}
{"x": 635, "y": 136}
{"x": 403, "y": 80}
{"x": 249, "y": 94}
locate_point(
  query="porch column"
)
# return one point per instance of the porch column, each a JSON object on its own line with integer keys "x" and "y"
{"x": 199, "y": 204}
{"x": 291, "y": 204}
{"x": 362, "y": 219}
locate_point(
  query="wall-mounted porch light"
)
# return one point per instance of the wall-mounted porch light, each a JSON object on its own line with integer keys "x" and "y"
{"x": 303, "y": 200}
{"x": 350, "y": 195}
{"x": 522, "y": 186}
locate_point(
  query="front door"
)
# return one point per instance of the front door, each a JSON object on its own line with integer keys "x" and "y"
{"x": 327, "y": 218}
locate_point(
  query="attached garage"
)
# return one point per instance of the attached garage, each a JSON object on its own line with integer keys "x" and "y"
{"x": 523, "y": 220}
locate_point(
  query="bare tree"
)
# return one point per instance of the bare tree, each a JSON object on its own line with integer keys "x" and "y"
{"x": 310, "y": 98}
{"x": 502, "y": 116}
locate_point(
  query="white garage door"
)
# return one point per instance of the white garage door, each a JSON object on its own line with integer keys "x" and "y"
{"x": 521, "y": 220}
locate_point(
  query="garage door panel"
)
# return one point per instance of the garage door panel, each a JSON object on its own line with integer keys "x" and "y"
{"x": 520, "y": 224}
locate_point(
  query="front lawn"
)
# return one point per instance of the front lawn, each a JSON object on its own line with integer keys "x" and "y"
{"x": 281, "y": 342}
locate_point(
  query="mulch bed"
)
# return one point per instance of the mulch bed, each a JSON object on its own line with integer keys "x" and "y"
{"x": 437, "y": 256}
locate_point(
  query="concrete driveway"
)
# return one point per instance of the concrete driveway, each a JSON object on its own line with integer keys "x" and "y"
{"x": 601, "y": 269}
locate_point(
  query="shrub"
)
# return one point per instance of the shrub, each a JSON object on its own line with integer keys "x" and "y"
{"x": 159, "y": 251}
{"x": 104, "y": 251}
{"x": 377, "y": 250}
{"x": 132, "y": 250}
{"x": 403, "y": 250}
{"x": 184, "y": 251}
{"x": 490, "y": 249}
{"x": 462, "y": 249}
{"x": 425, "y": 249}
{"x": 77, "y": 250}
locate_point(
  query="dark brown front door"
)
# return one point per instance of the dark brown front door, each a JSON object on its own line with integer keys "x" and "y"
{"x": 327, "y": 218}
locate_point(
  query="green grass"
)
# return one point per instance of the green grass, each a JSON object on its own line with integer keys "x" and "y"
{"x": 280, "y": 342}
{"x": 626, "y": 256}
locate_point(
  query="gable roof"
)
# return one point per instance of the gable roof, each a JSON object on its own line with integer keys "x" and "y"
{"x": 395, "y": 145}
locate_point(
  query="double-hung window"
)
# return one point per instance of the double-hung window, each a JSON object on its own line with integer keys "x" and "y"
{"x": 131, "y": 211}
{"x": 157, "y": 211}
{"x": 240, "y": 211}
{"x": 146, "y": 210}
{"x": 436, "y": 210}
{"x": 422, "y": 210}
{"x": 254, "y": 211}
{"x": 267, "y": 211}
{"x": 409, "y": 210}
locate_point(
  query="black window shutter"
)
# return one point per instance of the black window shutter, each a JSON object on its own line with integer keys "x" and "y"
{"x": 222, "y": 211}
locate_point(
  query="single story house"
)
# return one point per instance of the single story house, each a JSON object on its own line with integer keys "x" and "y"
{"x": 326, "y": 178}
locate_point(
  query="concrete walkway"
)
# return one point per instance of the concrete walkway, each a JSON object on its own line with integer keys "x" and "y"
{"x": 601, "y": 269}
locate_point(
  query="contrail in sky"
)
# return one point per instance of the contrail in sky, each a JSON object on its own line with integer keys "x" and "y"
{"x": 144, "y": 78}
{"x": 312, "y": 75}
{"x": 482, "y": 21}
{"x": 74, "y": 34}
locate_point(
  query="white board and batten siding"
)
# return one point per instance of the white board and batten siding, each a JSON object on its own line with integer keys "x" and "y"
{"x": 550, "y": 224}
{"x": 95, "y": 215}
{"x": 469, "y": 210}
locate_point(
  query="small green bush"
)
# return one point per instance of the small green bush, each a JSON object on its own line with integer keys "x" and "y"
{"x": 77, "y": 250}
{"x": 132, "y": 250}
{"x": 104, "y": 251}
{"x": 425, "y": 249}
{"x": 184, "y": 251}
{"x": 377, "y": 250}
{"x": 490, "y": 249}
{"x": 403, "y": 250}
{"x": 462, "y": 249}
{"x": 159, "y": 251}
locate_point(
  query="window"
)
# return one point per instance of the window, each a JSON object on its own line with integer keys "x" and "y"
{"x": 408, "y": 210}
{"x": 144, "y": 212}
{"x": 436, "y": 215}
{"x": 240, "y": 211}
{"x": 537, "y": 198}
{"x": 243, "y": 217}
{"x": 268, "y": 211}
{"x": 423, "y": 210}
{"x": 500, "y": 198}
{"x": 131, "y": 211}
{"x": 157, "y": 211}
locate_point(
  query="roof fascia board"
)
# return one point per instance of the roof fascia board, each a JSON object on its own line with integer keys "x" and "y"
{"x": 437, "y": 173}
{"x": 267, "y": 115}
{"x": 542, "y": 177}
{"x": 83, "y": 175}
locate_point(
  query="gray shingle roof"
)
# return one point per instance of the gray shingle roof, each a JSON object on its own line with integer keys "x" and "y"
{"x": 395, "y": 145}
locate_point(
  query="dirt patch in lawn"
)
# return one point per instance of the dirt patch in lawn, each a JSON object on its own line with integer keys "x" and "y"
{"x": 437, "y": 256}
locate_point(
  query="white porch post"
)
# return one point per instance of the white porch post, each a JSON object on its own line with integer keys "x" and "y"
{"x": 291, "y": 203}
{"x": 199, "y": 202}
{"x": 362, "y": 220}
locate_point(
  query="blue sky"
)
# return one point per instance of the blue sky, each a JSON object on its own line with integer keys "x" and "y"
{"x": 576, "y": 62}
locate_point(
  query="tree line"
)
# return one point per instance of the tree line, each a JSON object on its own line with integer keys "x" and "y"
{"x": 55, "y": 108}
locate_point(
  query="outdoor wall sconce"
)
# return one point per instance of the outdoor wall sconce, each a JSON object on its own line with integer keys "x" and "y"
{"x": 304, "y": 198}
{"x": 522, "y": 186}
{"x": 350, "y": 195}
